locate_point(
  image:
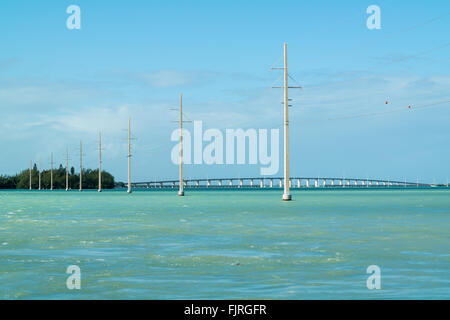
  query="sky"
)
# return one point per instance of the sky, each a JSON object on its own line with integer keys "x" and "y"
{"x": 133, "y": 59}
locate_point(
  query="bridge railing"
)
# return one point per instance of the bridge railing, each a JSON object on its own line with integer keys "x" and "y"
{"x": 278, "y": 182}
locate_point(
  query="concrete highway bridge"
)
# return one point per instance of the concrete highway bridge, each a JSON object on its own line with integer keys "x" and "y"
{"x": 278, "y": 183}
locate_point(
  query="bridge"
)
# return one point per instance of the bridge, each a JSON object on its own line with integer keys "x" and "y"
{"x": 261, "y": 182}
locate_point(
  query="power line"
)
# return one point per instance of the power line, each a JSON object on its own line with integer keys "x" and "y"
{"x": 363, "y": 115}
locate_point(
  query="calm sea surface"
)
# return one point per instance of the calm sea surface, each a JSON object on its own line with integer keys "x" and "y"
{"x": 225, "y": 244}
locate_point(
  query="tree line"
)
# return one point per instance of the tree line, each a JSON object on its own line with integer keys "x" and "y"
{"x": 90, "y": 179}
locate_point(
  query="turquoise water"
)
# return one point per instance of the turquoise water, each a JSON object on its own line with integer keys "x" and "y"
{"x": 225, "y": 244}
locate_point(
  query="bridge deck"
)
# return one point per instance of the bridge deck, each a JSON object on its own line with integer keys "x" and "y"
{"x": 277, "y": 182}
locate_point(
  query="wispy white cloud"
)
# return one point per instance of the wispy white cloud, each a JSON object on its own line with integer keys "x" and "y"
{"x": 173, "y": 78}
{"x": 43, "y": 95}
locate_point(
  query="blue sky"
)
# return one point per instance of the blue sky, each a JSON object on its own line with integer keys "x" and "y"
{"x": 133, "y": 58}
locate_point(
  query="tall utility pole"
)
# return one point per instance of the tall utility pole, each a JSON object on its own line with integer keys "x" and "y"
{"x": 100, "y": 162}
{"x": 67, "y": 168}
{"x": 286, "y": 195}
{"x": 30, "y": 173}
{"x": 181, "y": 121}
{"x": 51, "y": 172}
{"x": 81, "y": 166}
{"x": 39, "y": 174}
{"x": 129, "y": 155}
{"x": 181, "y": 192}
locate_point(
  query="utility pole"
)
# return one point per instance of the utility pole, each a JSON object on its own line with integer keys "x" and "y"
{"x": 100, "y": 162}
{"x": 81, "y": 166}
{"x": 51, "y": 172}
{"x": 286, "y": 195}
{"x": 67, "y": 168}
{"x": 181, "y": 191}
{"x": 30, "y": 173}
{"x": 39, "y": 173}
{"x": 181, "y": 121}
{"x": 129, "y": 156}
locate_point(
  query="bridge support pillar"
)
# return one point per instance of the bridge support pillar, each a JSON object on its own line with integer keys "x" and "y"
{"x": 220, "y": 183}
{"x": 261, "y": 183}
{"x": 281, "y": 183}
{"x": 231, "y": 183}
{"x": 251, "y": 182}
{"x": 307, "y": 183}
{"x": 271, "y": 183}
{"x": 299, "y": 183}
{"x": 241, "y": 183}
{"x": 316, "y": 183}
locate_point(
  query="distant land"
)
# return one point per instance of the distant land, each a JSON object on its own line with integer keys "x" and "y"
{"x": 90, "y": 179}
